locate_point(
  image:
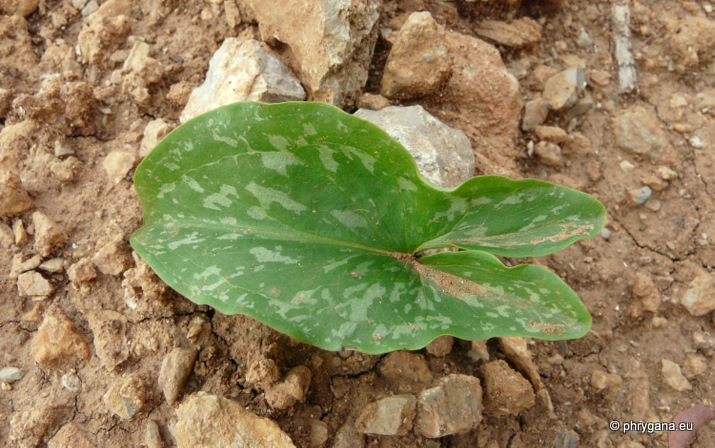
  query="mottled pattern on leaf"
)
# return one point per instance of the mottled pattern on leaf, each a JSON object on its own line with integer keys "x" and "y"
{"x": 307, "y": 218}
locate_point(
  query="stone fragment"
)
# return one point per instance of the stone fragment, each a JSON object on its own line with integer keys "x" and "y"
{"x": 548, "y": 153}
{"x": 318, "y": 433}
{"x": 518, "y": 355}
{"x": 666, "y": 173}
{"x": 388, "y": 416}
{"x": 640, "y": 195}
{"x": 19, "y": 264}
{"x": 33, "y": 284}
{"x": 535, "y": 113}
{"x": 443, "y": 154}
{"x": 48, "y": 234}
{"x": 62, "y": 149}
{"x": 654, "y": 182}
{"x": 126, "y": 396}
{"x": 602, "y": 380}
{"x": 600, "y": 77}
{"x": 242, "y": 71}
{"x": 637, "y": 130}
{"x": 66, "y": 170}
{"x": 481, "y": 87}
{"x": 13, "y": 197}
{"x": 117, "y": 164}
{"x": 348, "y": 437}
{"x": 583, "y": 40}
{"x": 262, "y": 373}
{"x": 104, "y": 31}
{"x": 695, "y": 365}
{"x": 331, "y": 42}
{"x": 291, "y": 389}
{"x": 112, "y": 258}
{"x": 440, "y": 346}
{"x": 523, "y": 32}
{"x": 479, "y": 347}
{"x": 152, "y": 436}
{"x": 175, "y": 370}
{"x": 233, "y": 14}
{"x": 70, "y": 436}
{"x": 505, "y": 390}
{"x": 566, "y": 440}
{"x": 403, "y": 366}
{"x": 7, "y": 238}
{"x": 57, "y": 340}
{"x": 418, "y": 63}
{"x": 699, "y": 298}
{"x": 154, "y": 132}
{"x": 90, "y": 8}
{"x": 673, "y": 376}
{"x": 453, "y": 406}
{"x": 207, "y": 421}
{"x": 704, "y": 342}
{"x": 371, "y": 101}
{"x": 10, "y": 374}
{"x": 551, "y": 134}
{"x": 82, "y": 272}
{"x": 71, "y": 381}
{"x": 54, "y": 265}
{"x": 561, "y": 91}
{"x": 109, "y": 330}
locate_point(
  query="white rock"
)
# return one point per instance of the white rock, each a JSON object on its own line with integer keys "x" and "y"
{"x": 71, "y": 381}
{"x": 10, "y": 374}
{"x": 242, "y": 71}
{"x": 443, "y": 154}
{"x": 154, "y": 131}
{"x": 117, "y": 164}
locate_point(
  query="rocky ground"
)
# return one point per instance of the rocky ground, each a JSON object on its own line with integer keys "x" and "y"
{"x": 97, "y": 351}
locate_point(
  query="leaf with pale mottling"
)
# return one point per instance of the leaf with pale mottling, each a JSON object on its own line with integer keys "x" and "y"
{"x": 315, "y": 222}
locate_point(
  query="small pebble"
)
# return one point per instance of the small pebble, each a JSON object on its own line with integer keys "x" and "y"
{"x": 696, "y": 142}
{"x": 584, "y": 40}
{"x": 640, "y": 195}
{"x": 626, "y": 166}
{"x": 70, "y": 381}
{"x": 10, "y": 374}
{"x": 126, "y": 396}
{"x": 175, "y": 369}
{"x": 674, "y": 377}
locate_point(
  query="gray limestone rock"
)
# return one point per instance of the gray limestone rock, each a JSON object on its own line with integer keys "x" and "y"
{"x": 242, "y": 71}
{"x": 443, "y": 154}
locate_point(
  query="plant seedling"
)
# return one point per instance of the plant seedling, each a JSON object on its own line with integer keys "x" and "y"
{"x": 317, "y": 223}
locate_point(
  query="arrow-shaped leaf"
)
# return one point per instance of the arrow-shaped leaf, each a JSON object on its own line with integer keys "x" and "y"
{"x": 314, "y": 222}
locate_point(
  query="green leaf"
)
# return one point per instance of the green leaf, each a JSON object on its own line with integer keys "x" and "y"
{"x": 314, "y": 222}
